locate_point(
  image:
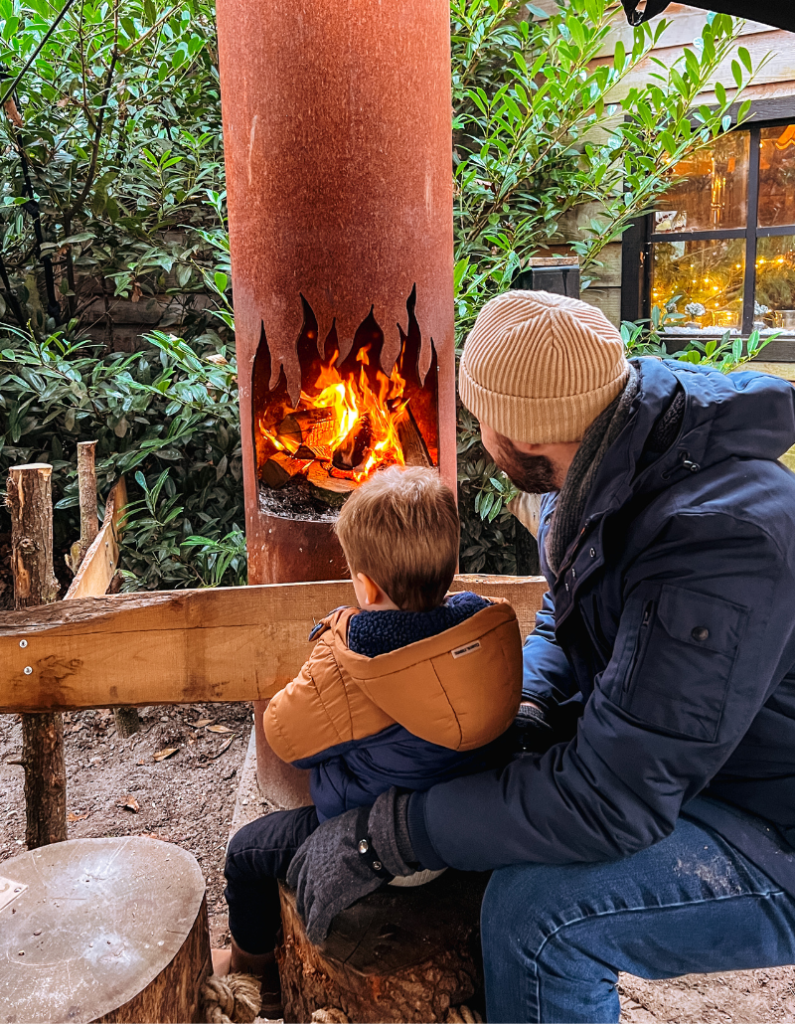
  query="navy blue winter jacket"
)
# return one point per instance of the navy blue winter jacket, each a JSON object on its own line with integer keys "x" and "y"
{"x": 671, "y": 628}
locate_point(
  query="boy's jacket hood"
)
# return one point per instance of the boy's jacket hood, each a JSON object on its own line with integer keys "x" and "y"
{"x": 459, "y": 689}
{"x": 436, "y": 688}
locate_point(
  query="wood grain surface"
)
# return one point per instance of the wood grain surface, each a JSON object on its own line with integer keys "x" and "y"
{"x": 102, "y": 558}
{"x": 398, "y": 955}
{"x": 107, "y": 929}
{"x": 183, "y": 647}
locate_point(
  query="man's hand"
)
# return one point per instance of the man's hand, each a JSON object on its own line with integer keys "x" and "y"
{"x": 345, "y": 859}
{"x": 535, "y": 732}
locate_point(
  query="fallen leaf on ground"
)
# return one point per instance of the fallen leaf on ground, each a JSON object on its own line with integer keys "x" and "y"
{"x": 129, "y": 803}
{"x": 161, "y": 755}
{"x": 71, "y": 816}
{"x": 152, "y": 835}
{"x": 201, "y": 723}
{"x": 223, "y": 750}
{"x": 219, "y": 728}
{"x": 142, "y": 761}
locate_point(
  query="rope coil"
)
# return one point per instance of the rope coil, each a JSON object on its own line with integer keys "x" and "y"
{"x": 232, "y": 999}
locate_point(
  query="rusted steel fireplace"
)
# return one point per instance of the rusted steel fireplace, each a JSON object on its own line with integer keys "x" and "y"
{"x": 338, "y": 153}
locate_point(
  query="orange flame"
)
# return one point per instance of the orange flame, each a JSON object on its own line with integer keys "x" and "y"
{"x": 360, "y": 432}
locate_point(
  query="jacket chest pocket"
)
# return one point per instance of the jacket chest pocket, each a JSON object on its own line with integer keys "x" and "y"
{"x": 678, "y": 675}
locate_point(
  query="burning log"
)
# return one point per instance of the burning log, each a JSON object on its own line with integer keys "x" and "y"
{"x": 415, "y": 451}
{"x": 319, "y": 476}
{"x": 315, "y": 429}
{"x": 354, "y": 449}
{"x": 281, "y": 468}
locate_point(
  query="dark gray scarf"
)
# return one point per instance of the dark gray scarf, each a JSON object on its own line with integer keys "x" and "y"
{"x": 581, "y": 476}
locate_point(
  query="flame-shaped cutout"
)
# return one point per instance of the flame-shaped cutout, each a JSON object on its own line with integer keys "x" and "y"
{"x": 352, "y": 417}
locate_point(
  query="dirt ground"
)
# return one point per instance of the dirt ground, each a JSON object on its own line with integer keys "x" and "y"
{"x": 745, "y": 997}
{"x": 188, "y": 798}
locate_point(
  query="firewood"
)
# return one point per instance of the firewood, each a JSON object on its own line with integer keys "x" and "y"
{"x": 320, "y": 477}
{"x": 353, "y": 452}
{"x": 280, "y": 469}
{"x": 415, "y": 451}
{"x": 315, "y": 429}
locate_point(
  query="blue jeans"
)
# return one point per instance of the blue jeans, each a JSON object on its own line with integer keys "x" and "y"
{"x": 555, "y": 937}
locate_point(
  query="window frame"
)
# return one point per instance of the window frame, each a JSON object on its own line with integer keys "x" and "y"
{"x": 640, "y": 236}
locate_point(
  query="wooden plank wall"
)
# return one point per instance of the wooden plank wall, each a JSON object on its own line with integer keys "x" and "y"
{"x": 183, "y": 647}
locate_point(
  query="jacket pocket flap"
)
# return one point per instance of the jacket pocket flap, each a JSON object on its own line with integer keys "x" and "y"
{"x": 700, "y": 619}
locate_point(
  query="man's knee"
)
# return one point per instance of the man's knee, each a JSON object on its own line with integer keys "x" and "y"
{"x": 519, "y": 904}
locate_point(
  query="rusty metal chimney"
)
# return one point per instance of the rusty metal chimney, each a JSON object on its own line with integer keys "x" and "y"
{"x": 337, "y": 135}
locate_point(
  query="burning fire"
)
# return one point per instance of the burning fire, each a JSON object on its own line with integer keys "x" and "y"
{"x": 346, "y": 423}
{"x": 350, "y": 416}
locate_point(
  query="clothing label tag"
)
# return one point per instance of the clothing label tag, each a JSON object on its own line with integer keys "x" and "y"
{"x": 9, "y": 891}
{"x": 459, "y": 652}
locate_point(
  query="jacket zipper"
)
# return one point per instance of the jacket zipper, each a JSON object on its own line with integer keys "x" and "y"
{"x": 640, "y": 647}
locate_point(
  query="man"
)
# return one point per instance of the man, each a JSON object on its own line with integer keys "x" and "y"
{"x": 653, "y": 835}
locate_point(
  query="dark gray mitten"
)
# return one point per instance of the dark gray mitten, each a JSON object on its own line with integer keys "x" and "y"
{"x": 345, "y": 859}
{"x": 534, "y": 731}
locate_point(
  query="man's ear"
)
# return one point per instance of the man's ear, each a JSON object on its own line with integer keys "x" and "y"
{"x": 373, "y": 594}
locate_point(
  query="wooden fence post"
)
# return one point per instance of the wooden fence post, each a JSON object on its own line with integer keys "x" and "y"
{"x": 29, "y": 499}
{"x": 87, "y": 490}
{"x": 127, "y": 720}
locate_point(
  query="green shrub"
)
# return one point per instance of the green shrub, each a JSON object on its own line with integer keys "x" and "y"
{"x": 541, "y": 129}
{"x": 166, "y": 416}
{"x": 118, "y": 165}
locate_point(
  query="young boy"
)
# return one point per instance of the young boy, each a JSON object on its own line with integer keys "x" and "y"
{"x": 412, "y": 688}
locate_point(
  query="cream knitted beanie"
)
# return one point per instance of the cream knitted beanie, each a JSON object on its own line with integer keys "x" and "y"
{"x": 539, "y": 368}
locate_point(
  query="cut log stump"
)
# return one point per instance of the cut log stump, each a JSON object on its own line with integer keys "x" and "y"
{"x": 397, "y": 955}
{"x": 110, "y": 930}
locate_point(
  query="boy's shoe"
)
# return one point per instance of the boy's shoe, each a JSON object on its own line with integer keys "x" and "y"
{"x": 418, "y": 878}
{"x": 271, "y": 992}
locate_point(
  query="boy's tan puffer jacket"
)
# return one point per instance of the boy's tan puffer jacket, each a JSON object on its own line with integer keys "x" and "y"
{"x": 459, "y": 689}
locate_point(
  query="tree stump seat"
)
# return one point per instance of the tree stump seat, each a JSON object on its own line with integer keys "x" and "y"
{"x": 111, "y": 930}
{"x": 397, "y": 955}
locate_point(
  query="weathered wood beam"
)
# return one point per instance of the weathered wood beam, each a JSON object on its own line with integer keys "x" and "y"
{"x": 184, "y": 646}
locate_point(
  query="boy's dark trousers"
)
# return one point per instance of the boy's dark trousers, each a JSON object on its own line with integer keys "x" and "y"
{"x": 257, "y": 857}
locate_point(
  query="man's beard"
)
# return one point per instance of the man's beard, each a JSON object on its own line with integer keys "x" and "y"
{"x": 534, "y": 474}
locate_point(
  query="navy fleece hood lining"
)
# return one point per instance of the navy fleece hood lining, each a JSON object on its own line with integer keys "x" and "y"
{"x": 375, "y": 633}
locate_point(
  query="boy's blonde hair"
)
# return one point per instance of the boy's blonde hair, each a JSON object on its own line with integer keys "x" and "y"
{"x": 401, "y": 529}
